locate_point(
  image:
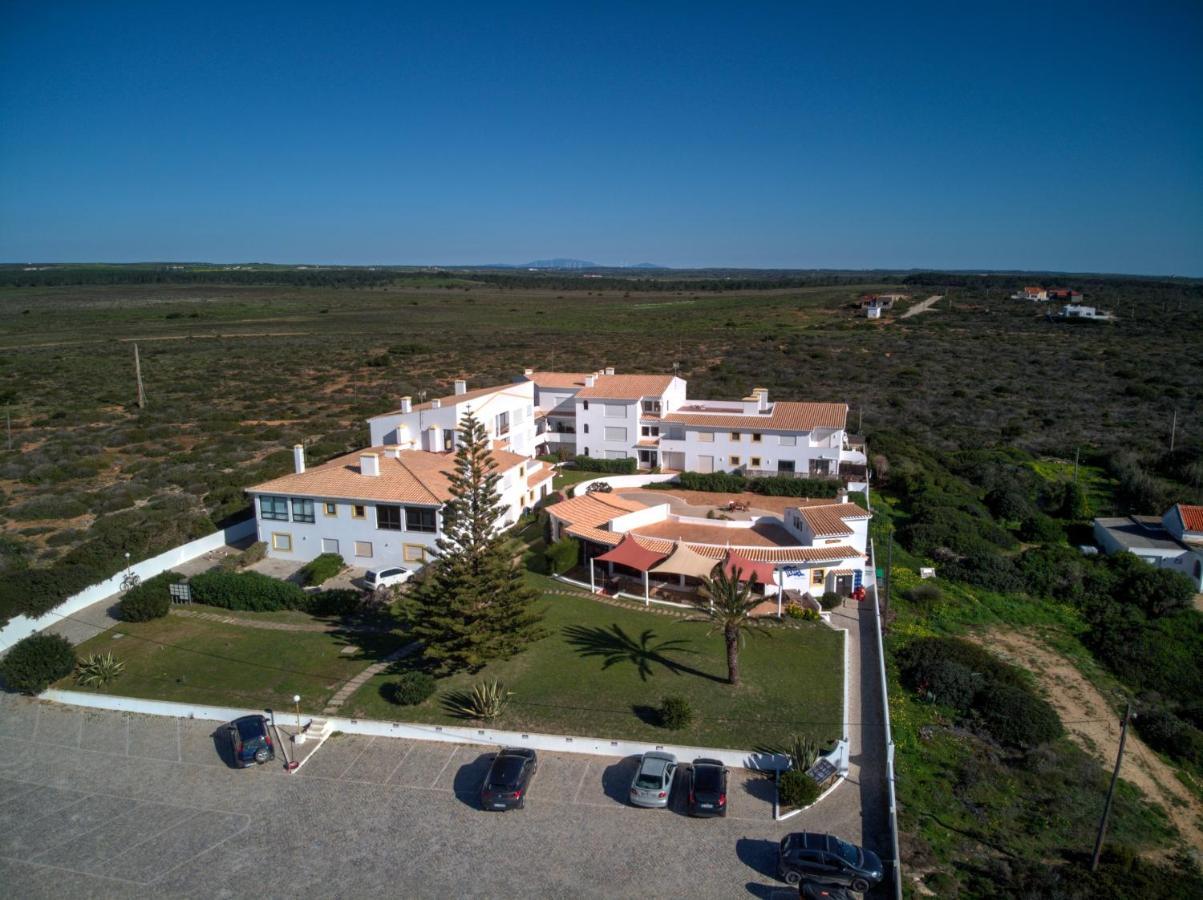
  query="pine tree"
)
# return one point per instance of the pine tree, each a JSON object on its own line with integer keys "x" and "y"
{"x": 472, "y": 605}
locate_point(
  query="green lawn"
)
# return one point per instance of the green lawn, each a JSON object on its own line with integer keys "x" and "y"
{"x": 195, "y": 661}
{"x": 601, "y": 669}
{"x": 565, "y": 477}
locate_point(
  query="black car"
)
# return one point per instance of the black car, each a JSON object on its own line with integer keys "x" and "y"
{"x": 508, "y": 779}
{"x": 707, "y": 788}
{"x": 251, "y": 741}
{"x": 826, "y": 859}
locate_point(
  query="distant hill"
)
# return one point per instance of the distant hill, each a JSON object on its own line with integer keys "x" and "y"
{"x": 645, "y": 266}
{"x": 560, "y": 263}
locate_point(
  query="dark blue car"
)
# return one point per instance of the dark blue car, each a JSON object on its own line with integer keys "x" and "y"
{"x": 250, "y": 741}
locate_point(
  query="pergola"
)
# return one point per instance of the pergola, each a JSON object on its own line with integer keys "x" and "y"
{"x": 628, "y": 552}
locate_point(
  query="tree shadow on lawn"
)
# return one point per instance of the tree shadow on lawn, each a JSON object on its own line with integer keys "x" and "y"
{"x": 615, "y": 646}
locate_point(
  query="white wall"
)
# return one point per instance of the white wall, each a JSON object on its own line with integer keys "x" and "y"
{"x": 517, "y": 399}
{"x": 23, "y": 626}
{"x": 597, "y": 421}
{"x": 639, "y": 518}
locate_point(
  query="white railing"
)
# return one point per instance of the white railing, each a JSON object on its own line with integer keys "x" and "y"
{"x": 892, "y": 798}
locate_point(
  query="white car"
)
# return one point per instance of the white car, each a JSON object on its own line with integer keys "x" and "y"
{"x": 382, "y": 578}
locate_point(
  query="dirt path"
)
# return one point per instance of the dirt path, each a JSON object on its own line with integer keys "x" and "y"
{"x": 1093, "y": 726}
{"x": 922, "y": 307}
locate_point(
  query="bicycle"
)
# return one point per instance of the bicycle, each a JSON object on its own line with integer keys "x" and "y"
{"x": 131, "y": 580}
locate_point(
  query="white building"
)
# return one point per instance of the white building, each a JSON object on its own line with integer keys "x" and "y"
{"x": 1175, "y": 541}
{"x": 1077, "y": 311}
{"x": 378, "y": 507}
{"x": 650, "y": 419}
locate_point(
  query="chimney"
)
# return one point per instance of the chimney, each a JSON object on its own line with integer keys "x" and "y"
{"x": 393, "y": 451}
{"x": 762, "y": 399}
{"x": 434, "y": 439}
{"x": 590, "y": 380}
{"x": 369, "y": 464}
{"x": 461, "y": 386}
{"x": 841, "y": 496}
{"x": 407, "y": 404}
{"x": 527, "y": 373}
{"x": 298, "y": 458}
{"x": 436, "y": 403}
{"x": 609, "y": 370}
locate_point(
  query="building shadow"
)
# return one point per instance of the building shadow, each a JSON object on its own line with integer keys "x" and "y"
{"x": 614, "y": 647}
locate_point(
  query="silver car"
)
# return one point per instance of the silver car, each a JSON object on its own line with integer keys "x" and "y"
{"x": 652, "y": 785}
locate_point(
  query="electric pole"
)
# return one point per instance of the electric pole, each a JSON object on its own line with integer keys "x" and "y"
{"x": 1077, "y": 453}
{"x": 138, "y": 376}
{"x": 1173, "y": 430}
{"x": 8, "y": 424}
{"x": 1119, "y": 758}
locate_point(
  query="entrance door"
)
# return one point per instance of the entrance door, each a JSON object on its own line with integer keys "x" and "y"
{"x": 705, "y": 464}
{"x": 843, "y": 585}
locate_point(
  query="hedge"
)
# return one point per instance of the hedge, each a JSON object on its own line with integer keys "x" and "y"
{"x": 797, "y": 789}
{"x": 35, "y": 662}
{"x": 149, "y": 600}
{"x": 322, "y": 568}
{"x": 412, "y": 688}
{"x": 768, "y": 485}
{"x": 627, "y": 466}
{"x": 248, "y": 591}
{"x": 335, "y": 602}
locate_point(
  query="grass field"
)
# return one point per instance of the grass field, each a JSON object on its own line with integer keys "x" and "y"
{"x": 601, "y": 670}
{"x": 196, "y": 661}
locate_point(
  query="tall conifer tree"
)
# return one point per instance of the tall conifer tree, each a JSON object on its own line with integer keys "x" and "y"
{"x": 472, "y": 605}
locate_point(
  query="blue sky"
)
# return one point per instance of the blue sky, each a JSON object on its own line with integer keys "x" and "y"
{"x": 1040, "y": 136}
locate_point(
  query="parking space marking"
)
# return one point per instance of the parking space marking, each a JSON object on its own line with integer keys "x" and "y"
{"x": 127, "y": 718}
{"x": 352, "y": 763}
{"x": 450, "y": 756}
{"x": 79, "y": 738}
{"x": 580, "y": 784}
{"x": 404, "y": 756}
{"x": 179, "y": 751}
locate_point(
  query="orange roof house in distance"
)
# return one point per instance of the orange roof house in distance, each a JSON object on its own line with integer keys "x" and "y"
{"x": 1175, "y": 541}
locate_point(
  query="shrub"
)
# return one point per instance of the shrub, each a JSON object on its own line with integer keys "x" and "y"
{"x": 37, "y": 661}
{"x": 923, "y": 595}
{"x": 830, "y": 600}
{"x": 563, "y": 555}
{"x": 1016, "y": 717}
{"x": 1040, "y": 529}
{"x": 412, "y": 688}
{"x": 989, "y": 570}
{"x": 777, "y": 486}
{"x": 35, "y": 591}
{"x": 335, "y": 602}
{"x": 487, "y": 700}
{"x": 322, "y": 568}
{"x": 249, "y": 591}
{"x": 253, "y": 554}
{"x": 796, "y": 789}
{"x": 716, "y": 482}
{"x": 149, "y": 600}
{"x": 675, "y": 713}
{"x": 98, "y": 670}
{"x": 626, "y": 466}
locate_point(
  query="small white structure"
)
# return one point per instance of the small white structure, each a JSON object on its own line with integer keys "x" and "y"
{"x": 507, "y": 412}
{"x": 1077, "y": 311}
{"x": 1175, "y": 541}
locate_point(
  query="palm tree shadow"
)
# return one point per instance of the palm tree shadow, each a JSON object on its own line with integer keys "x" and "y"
{"x": 615, "y": 646}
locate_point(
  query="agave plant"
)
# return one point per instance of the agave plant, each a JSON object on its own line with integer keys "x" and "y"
{"x": 804, "y": 752}
{"x": 486, "y": 701}
{"x": 98, "y": 669}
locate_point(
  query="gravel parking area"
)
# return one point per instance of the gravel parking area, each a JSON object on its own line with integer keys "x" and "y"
{"x": 107, "y": 804}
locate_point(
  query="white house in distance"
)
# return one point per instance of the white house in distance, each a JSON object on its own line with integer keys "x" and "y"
{"x": 649, "y": 418}
{"x": 507, "y": 412}
{"x": 1175, "y": 541}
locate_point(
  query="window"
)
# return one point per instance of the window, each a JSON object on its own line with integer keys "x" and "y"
{"x": 302, "y": 510}
{"x": 754, "y": 462}
{"x": 650, "y": 431}
{"x": 704, "y": 437}
{"x": 585, "y": 450}
{"x": 503, "y": 423}
{"x": 363, "y": 549}
{"x": 586, "y": 402}
{"x": 788, "y": 440}
{"x": 734, "y": 461}
{"x": 414, "y": 552}
{"x": 586, "y": 432}
{"x": 282, "y": 542}
{"x": 358, "y": 512}
{"x": 274, "y": 508}
{"x": 785, "y": 466}
{"x": 615, "y": 433}
{"x": 449, "y": 439}
{"x": 755, "y": 438}
{"x": 329, "y": 545}
{"x": 388, "y": 517}
{"x": 818, "y": 576}
{"x": 330, "y": 509}
{"x": 419, "y": 519}
{"x": 616, "y": 411}
{"x": 651, "y": 407}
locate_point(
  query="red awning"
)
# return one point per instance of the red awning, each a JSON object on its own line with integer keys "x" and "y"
{"x": 630, "y": 554}
{"x": 764, "y": 572}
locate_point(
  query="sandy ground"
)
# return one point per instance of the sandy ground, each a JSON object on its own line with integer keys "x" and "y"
{"x": 922, "y": 307}
{"x": 1094, "y": 726}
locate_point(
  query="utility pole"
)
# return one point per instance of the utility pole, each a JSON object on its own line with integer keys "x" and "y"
{"x": 860, "y": 418}
{"x": 1077, "y": 453}
{"x": 1119, "y": 758}
{"x": 138, "y": 376}
{"x": 1173, "y": 430}
{"x": 8, "y": 424}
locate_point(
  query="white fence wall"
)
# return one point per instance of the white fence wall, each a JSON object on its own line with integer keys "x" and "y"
{"x": 416, "y": 732}
{"x": 23, "y": 626}
{"x": 618, "y": 481}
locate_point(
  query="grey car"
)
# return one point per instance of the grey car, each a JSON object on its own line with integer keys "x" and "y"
{"x": 652, "y": 785}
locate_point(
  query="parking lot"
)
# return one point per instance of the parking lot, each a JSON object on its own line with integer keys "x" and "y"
{"x": 99, "y": 803}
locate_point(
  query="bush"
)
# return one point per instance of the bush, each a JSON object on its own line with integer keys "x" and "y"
{"x": 989, "y": 570}
{"x": 830, "y": 600}
{"x": 1040, "y": 529}
{"x": 675, "y": 713}
{"x": 777, "y": 486}
{"x": 796, "y": 789}
{"x": 252, "y": 554}
{"x": 35, "y": 591}
{"x": 412, "y": 688}
{"x": 335, "y": 602}
{"x": 322, "y": 568}
{"x": 628, "y": 466}
{"x": 99, "y": 669}
{"x": 248, "y": 591}
{"x": 486, "y": 701}
{"x": 923, "y": 595}
{"x": 149, "y": 600}
{"x": 563, "y": 555}
{"x": 37, "y": 661}
{"x": 715, "y": 482}
{"x": 1016, "y": 717}
{"x": 803, "y": 613}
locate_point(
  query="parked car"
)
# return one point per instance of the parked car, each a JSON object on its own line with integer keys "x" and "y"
{"x": 509, "y": 778}
{"x": 251, "y": 741}
{"x": 826, "y": 859}
{"x": 707, "y": 788}
{"x": 382, "y": 578}
{"x": 599, "y": 487}
{"x": 652, "y": 785}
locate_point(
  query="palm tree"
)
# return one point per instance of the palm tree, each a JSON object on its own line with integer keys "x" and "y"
{"x": 730, "y": 611}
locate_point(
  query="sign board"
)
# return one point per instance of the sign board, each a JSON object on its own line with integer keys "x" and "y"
{"x": 823, "y": 772}
{"x": 181, "y": 592}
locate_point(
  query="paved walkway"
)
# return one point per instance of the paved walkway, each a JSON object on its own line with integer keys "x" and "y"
{"x": 343, "y": 694}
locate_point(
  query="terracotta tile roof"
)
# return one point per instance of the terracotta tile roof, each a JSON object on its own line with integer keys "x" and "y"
{"x": 1192, "y": 517}
{"x": 626, "y": 387}
{"x": 539, "y": 477}
{"x": 829, "y": 521}
{"x": 558, "y": 379}
{"x": 593, "y": 510}
{"x": 450, "y": 399}
{"x": 784, "y": 416}
{"x": 835, "y": 553}
{"x": 413, "y": 476}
